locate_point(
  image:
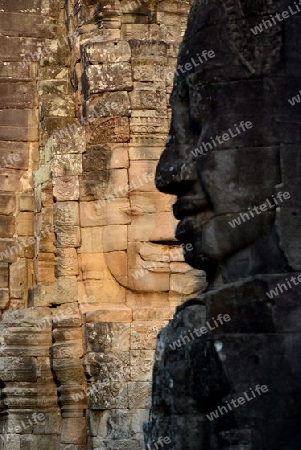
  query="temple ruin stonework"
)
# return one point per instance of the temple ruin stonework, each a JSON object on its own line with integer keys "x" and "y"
{"x": 227, "y": 366}
{"x": 90, "y": 269}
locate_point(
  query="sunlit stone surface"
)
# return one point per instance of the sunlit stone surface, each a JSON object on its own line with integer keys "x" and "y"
{"x": 90, "y": 270}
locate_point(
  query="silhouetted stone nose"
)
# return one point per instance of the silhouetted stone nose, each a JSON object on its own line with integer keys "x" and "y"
{"x": 176, "y": 172}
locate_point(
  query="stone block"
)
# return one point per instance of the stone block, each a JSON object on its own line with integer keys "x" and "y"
{"x": 115, "y": 238}
{"x": 153, "y": 227}
{"x": 74, "y": 430}
{"x": 117, "y": 263}
{"x": 144, "y": 334}
{"x": 7, "y": 226}
{"x": 10, "y": 250}
{"x": 142, "y": 362}
{"x": 18, "y": 124}
{"x": 109, "y": 314}
{"x": 91, "y": 240}
{"x": 10, "y": 179}
{"x": 102, "y": 291}
{"x": 147, "y": 123}
{"x": 151, "y": 69}
{"x": 66, "y": 262}
{"x": 7, "y": 203}
{"x": 155, "y": 299}
{"x": 93, "y": 185}
{"x": 118, "y": 212}
{"x": 26, "y": 203}
{"x": 40, "y": 295}
{"x": 109, "y": 104}
{"x": 107, "y": 52}
{"x": 93, "y": 266}
{"x": 57, "y": 106}
{"x": 108, "y": 396}
{"x": 4, "y": 299}
{"x": 142, "y": 151}
{"x": 48, "y": 441}
{"x": 18, "y": 278}
{"x": 3, "y": 275}
{"x": 145, "y": 48}
{"x": 149, "y": 96}
{"x": 149, "y": 277}
{"x": 28, "y": 25}
{"x": 27, "y": 341}
{"x": 66, "y": 214}
{"x": 46, "y": 240}
{"x": 28, "y": 317}
{"x": 65, "y": 290}
{"x": 67, "y": 315}
{"x": 119, "y": 157}
{"x": 12, "y": 442}
{"x": 139, "y": 394}
{"x": 70, "y": 371}
{"x": 187, "y": 282}
{"x": 67, "y": 236}
{"x": 152, "y": 314}
{"x": 67, "y": 350}
{"x": 18, "y": 369}
{"x": 14, "y": 70}
{"x": 52, "y": 422}
{"x": 142, "y": 175}
{"x": 90, "y": 215}
{"x": 151, "y": 202}
{"x": 16, "y": 95}
{"x": 14, "y": 155}
{"x": 109, "y": 77}
{"x": 118, "y": 184}
{"x": 107, "y": 337}
{"x": 111, "y": 129}
{"x": 53, "y": 87}
{"x": 24, "y": 224}
{"x": 45, "y": 267}
{"x": 66, "y": 188}
{"x": 68, "y": 143}
{"x": 67, "y": 165}
{"x": 96, "y": 157}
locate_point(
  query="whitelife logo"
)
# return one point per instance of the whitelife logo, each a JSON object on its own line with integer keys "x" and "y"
{"x": 277, "y": 17}
{"x": 264, "y": 207}
{"x": 292, "y": 101}
{"x": 274, "y": 292}
{"x": 240, "y": 400}
{"x": 244, "y": 126}
{"x": 202, "y": 330}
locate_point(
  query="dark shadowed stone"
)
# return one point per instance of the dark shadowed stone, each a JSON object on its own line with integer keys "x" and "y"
{"x": 251, "y": 256}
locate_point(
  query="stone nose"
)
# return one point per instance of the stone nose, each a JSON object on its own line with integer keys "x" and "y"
{"x": 176, "y": 171}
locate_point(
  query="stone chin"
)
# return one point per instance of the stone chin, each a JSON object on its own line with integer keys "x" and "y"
{"x": 214, "y": 241}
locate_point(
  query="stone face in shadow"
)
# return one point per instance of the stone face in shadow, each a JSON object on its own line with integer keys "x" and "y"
{"x": 232, "y": 160}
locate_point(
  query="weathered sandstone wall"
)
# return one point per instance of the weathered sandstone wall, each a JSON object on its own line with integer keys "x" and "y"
{"x": 90, "y": 269}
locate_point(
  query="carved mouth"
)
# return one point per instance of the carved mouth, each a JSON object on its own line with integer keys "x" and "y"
{"x": 188, "y": 206}
{"x": 169, "y": 243}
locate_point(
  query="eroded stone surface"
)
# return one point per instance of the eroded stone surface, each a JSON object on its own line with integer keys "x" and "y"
{"x": 251, "y": 256}
{"x": 83, "y": 120}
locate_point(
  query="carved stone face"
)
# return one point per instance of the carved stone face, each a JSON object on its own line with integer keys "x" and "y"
{"x": 221, "y": 106}
{"x": 140, "y": 250}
